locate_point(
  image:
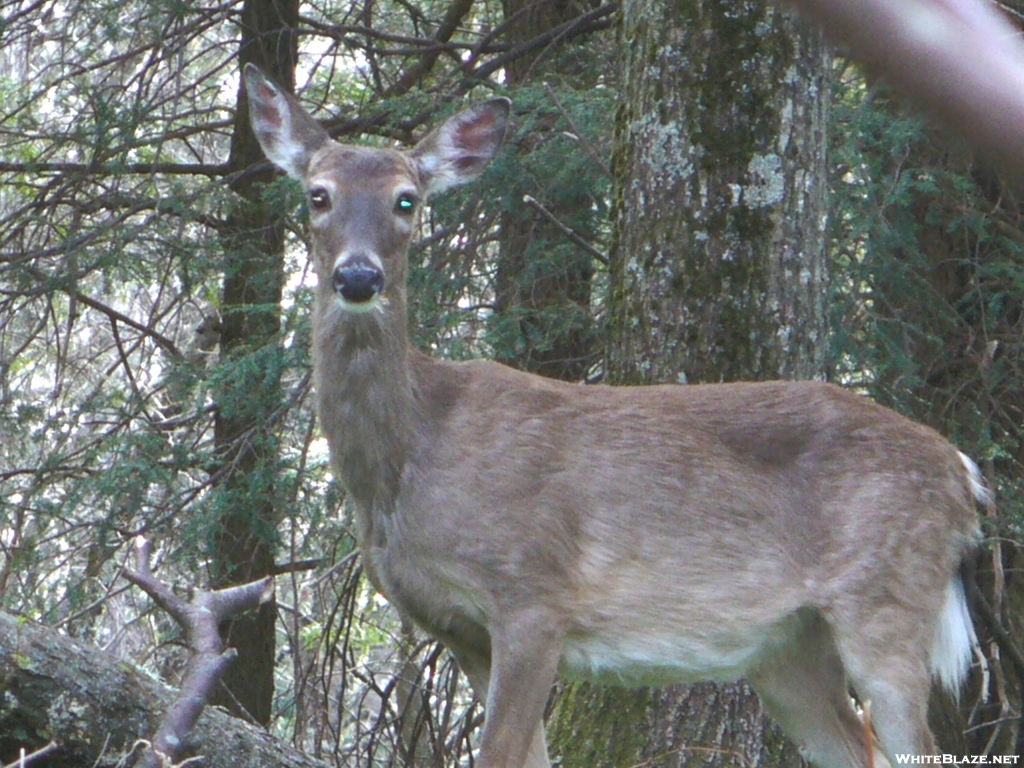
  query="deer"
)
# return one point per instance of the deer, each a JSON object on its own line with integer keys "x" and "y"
{"x": 794, "y": 533}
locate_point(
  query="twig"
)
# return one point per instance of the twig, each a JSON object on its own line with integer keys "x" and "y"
{"x": 565, "y": 229}
{"x": 24, "y": 759}
{"x": 592, "y": 21}
{"x": 587, "y": 146}
{"x": 110, "y": 312}
{"x": 869, "y": 733}
{"x": 1007, "y": 645}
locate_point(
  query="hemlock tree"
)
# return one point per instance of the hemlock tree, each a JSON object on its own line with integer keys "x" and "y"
{"x": 249, "y": 397}
{"x": 543, "y": 279}
{"x": 718, "y": 272}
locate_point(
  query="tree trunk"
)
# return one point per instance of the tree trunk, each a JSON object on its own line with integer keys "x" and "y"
{"x": 718, "y": 272}
{"x": 249, "y": 393}
{"x": 719, "y": 269}
{"x": 543, "y": 283}
{"x": 95, "y": 707}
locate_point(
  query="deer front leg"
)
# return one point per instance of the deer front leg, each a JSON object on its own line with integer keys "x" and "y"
{"x": 524, "y": 659}
{"x": 476, "y": 666}
{"x": 538, "y": 757}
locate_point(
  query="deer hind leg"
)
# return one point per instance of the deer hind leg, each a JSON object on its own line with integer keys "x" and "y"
{"x": 899, "y": 713}
{"x": 895, "y": 680}
{"x": 887, "y": 652}
{"x": 802, "y": 684}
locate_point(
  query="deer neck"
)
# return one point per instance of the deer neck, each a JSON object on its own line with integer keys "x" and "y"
{"x": 365, "y": 397}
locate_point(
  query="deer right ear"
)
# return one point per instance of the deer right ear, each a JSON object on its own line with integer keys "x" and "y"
{"x": 286, "y": 133}
{"x": 462, "y": 147}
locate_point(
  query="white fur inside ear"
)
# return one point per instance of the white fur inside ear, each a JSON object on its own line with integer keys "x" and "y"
{"x": 441, "y": 178}
{"x": 288, "y": 156}
{"x": 286, "y": 134}
{"x": 441, "y": 165}
{"x": 275, "y": 132}
{"x": 431, "y": 167}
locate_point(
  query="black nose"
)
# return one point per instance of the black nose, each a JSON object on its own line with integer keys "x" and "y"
{"x": 357, "y": 284}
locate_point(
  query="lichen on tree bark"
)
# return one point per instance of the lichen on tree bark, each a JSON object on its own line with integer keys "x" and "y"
{"x": 718, "y": 261}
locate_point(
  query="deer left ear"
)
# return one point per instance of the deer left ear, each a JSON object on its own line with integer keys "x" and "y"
{"x": 459, "y": 149}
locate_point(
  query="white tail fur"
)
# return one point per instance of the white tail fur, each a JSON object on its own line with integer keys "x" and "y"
{"x": 955, "y": 639}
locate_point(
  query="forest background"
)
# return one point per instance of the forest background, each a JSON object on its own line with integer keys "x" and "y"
{"x": 691, "y": 192}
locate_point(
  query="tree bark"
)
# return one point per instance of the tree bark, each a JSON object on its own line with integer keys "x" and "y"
{"x": 95, "y": 707}
{"x": 718, "y": 273}
{"x": 253, "y": 242}
{"x": 719, "y": 262}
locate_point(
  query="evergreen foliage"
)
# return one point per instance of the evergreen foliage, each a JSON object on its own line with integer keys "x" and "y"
{"x": 929, "y": 280}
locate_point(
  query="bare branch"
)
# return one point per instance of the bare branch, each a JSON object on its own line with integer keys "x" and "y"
{"x": 200, "y": 618}
{"x": 183, "y": 714}
{"x": 587, "y": 146}
{"x": 599, "y": 18}
{"x": 214, "y": 171}
{"x": 30, "y": 757}
{"x": 453, "y": 17}
{"x": 565, "y": 229}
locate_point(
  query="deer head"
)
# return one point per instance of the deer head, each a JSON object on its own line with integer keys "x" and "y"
{"x": 363, "y": 202}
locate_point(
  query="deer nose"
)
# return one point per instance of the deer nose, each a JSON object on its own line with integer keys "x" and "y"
{"x": 358, "y": 283}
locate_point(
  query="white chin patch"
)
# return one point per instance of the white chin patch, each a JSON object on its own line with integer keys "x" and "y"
{"x": 359, "y": 307}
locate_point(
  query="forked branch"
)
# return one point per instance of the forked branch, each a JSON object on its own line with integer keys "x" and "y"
{"x": 200, "y": 617}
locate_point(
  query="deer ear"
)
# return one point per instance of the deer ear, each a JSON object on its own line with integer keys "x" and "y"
{"x": 459, "y": 149}
{"x": 286, "y": 133}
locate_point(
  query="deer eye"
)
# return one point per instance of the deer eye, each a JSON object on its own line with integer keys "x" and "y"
{"x": 405, "y": 204}
{"x": 319, "y": 199}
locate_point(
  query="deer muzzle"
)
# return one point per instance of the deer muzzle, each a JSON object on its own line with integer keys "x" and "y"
{"x": 357, "y": 283}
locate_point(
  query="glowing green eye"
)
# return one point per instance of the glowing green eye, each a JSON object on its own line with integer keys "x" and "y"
{"x": 406, "y": 203}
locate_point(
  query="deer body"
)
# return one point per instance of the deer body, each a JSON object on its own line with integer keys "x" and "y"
{"x": 794, "y": 533}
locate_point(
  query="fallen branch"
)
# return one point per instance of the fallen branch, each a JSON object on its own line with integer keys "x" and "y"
{"x": 95, "y": 707}
{"x": 201, "y": 618}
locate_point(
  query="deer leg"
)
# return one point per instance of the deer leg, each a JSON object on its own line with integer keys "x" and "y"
{"x": 802, "y": 685}
{"x": 477, "y": 668}
{"x": 538, "y": 755}
{"x": 524, "y": 659}
{"x": 888, "y": 666}
{"x": 898, "y": 690}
